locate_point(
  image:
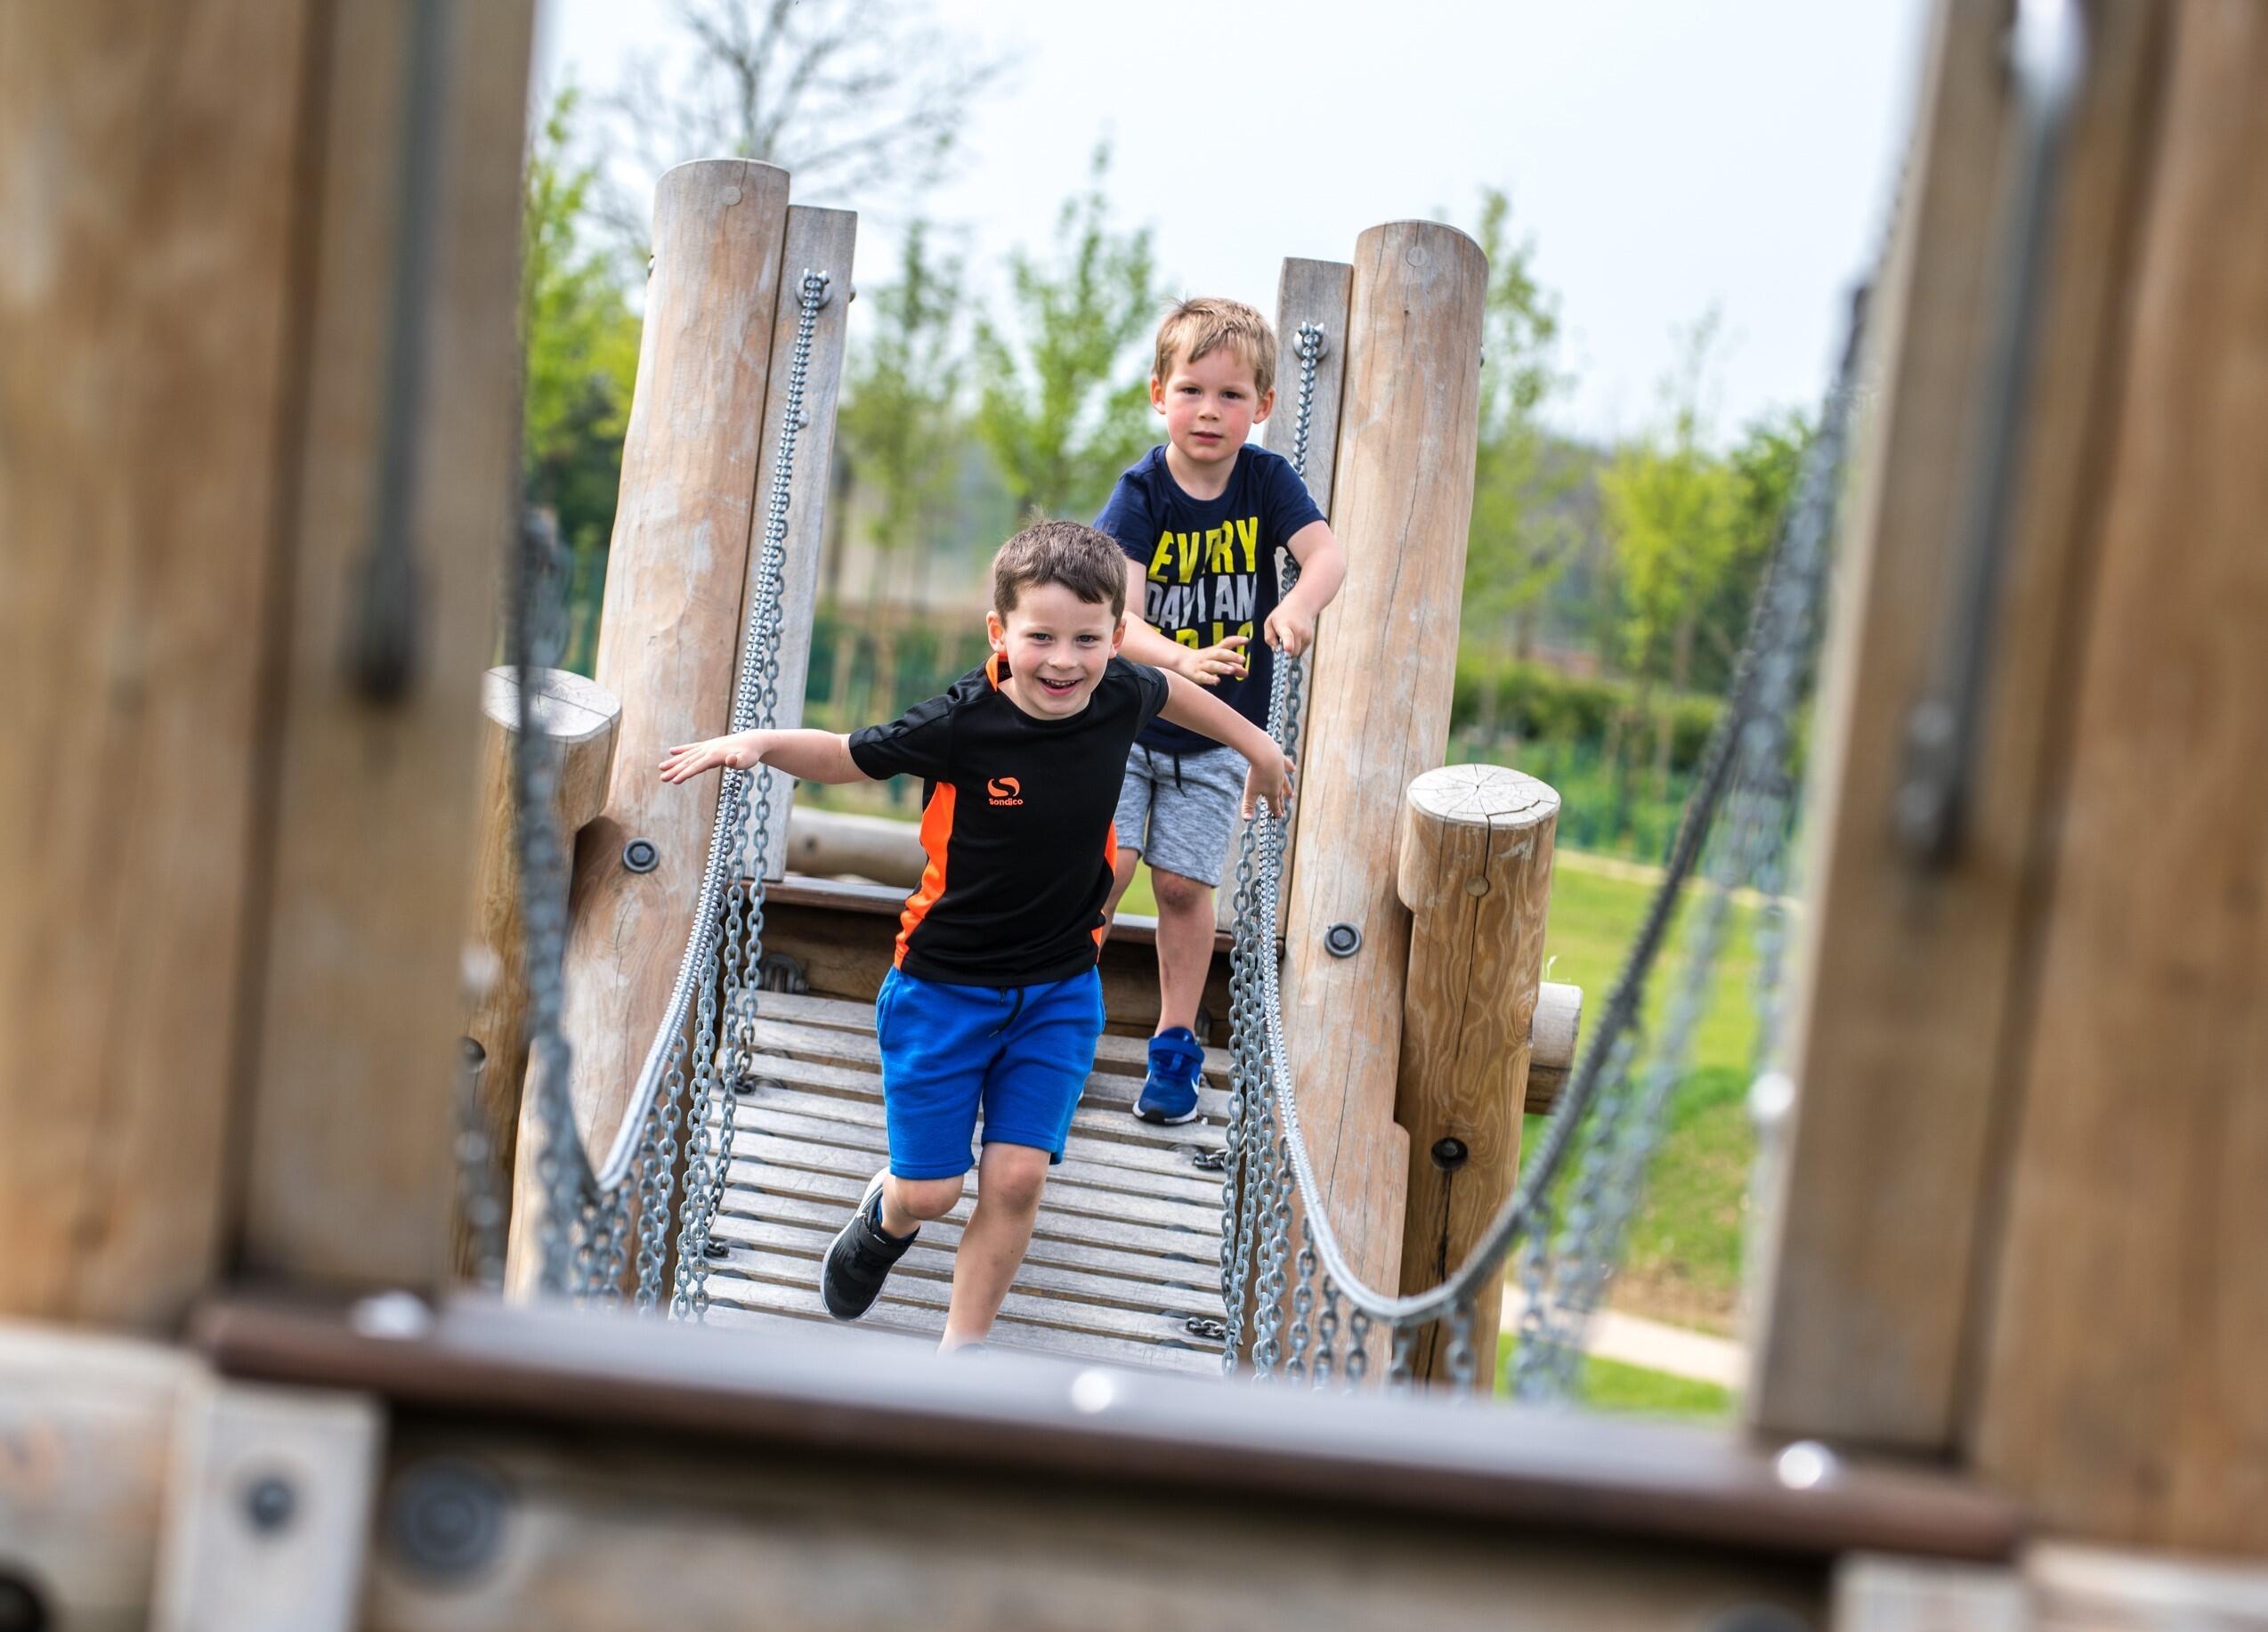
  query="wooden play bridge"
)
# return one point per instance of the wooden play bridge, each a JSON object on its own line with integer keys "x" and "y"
{"x": 2005, "y": 1343}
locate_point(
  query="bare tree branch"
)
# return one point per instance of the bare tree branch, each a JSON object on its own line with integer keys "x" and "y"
{"x": 849, "y": 95}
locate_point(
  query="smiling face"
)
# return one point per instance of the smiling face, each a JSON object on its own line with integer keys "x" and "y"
{"x": 1057, "y": 647}
{"x": 1209, "y": 405}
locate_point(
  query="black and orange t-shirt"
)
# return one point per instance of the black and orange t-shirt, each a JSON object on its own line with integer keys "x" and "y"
{"x": 1016, "y": 822}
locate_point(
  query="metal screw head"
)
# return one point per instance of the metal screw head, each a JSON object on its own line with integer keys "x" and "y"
{"x": 1342, "y": 940}
{"x": 1450, "y": 1154}
{"x": 641, "y": 856}
{"x": 23, "y": 1608}
{"x": 268, "y": 1503}
{"x": 446, "y": 1517}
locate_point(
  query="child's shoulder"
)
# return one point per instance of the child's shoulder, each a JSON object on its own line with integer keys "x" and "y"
{"x": 1146, "y": 470}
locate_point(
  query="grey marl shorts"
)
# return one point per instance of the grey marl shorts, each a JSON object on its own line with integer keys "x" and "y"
{"x": 1182, "y": 810}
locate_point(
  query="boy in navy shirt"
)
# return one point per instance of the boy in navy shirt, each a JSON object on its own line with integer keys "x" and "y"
{"x": 1201, "y": 519}
{"x": 993, "y": 1000}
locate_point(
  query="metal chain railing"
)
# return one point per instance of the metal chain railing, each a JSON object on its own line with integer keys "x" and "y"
{"x": 1604, "y": 1115}
{"x": 601, "y": 1221}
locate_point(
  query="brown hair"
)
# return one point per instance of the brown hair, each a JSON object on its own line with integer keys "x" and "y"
{"x": 1196, "y": 327}
{"x": 1085, "y": 562}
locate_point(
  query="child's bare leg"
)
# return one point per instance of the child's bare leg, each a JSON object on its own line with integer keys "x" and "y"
{"x": 1121, "y": 879}
{"x": 908, "y": 1203}
{"x": 1009, "y": 1179}
{"x": 1185, "y": 946}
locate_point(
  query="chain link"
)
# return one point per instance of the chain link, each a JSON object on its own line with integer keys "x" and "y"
{"x": 1611, "y": 1123}
{"x": 601, "y": 1223}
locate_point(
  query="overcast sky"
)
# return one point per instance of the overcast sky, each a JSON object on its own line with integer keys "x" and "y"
{"x": 1667, "y": 156}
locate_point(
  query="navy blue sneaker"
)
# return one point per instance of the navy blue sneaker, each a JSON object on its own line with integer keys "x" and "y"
{"x": 1169, "y": 1091}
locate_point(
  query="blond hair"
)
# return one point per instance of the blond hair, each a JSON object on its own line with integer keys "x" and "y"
{"x": 1198, "y": 326}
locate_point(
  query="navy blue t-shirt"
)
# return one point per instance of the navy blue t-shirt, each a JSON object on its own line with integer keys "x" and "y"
{"x": 1210, "y": 565}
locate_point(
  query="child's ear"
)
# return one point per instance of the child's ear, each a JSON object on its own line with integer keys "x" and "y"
{"x": 996, "y": 631}
{"x": 1267, "y": 405}
{"x": 1157, "y": 394}
{"x": 1118, "y": 635}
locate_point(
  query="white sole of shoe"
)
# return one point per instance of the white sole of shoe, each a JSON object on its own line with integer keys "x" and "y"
{"x": 1166, "y": 1122}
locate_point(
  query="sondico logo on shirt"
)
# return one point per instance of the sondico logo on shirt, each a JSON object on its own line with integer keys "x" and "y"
{"x": 1005, "y": 791}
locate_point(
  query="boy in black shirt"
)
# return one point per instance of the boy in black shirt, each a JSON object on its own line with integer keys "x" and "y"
{"x": 994, "y": 1001}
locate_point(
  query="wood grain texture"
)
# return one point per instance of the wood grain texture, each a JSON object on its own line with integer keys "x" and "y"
{"x": 1379, "y": 714}
{"x": 614, "y": 1534}
{"x": 1475, "y": 871}
{"x": 85, "y": 1433}
{"x": 2122, "y": 1388}
{"x": 149, "y": 284}
{"x": 1306, "y": 292}
{"x": 674, "y": 578}
{"x": 820, "y": 240}
{"x": 1907, "y": 984}
{"x": 219, "y": 1571}
{"x": 577, "y": 719}
{"x": 348, "y": 1173}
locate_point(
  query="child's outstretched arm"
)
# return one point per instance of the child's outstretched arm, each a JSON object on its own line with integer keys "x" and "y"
{"x": 1290, "y": 627}
{"x": 809, "y": 756}
{"x": 1270, "y": 777}
{"x": 1144, "y": 643}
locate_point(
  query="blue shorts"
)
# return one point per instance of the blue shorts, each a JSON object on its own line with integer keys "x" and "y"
{"x": 1023, "y": 1053}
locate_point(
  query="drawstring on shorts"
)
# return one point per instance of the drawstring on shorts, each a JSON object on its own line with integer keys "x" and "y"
{"x": 1015, "y": 1008}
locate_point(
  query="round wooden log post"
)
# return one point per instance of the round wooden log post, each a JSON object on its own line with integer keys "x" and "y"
{"x": 1379, "y": 714}
{"x": 578, "y": 717}
{"x": 1475, "y": 871}
{"x": 673, "y": 582}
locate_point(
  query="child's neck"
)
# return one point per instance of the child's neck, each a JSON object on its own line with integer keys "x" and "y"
{"x": 1198, "y": 481}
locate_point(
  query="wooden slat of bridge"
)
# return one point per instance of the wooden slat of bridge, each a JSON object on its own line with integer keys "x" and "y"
{"x": 1126, "y": 1253}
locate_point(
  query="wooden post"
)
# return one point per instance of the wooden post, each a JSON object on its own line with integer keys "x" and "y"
{"x": 577, "y": 717}
{"x": 235, "y": 896}
{"x": 674, "y": 584}
{"x": 1379, "y": 715}
{"x": 1475, "y": 872}
{"x": 1910, "y": 994}
{"x": 2120, "y": 1386}
{"x": 147, "y": 319}
{"x": 355, "y": 1043}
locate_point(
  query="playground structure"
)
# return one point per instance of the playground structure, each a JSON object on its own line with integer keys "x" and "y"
{"x": 2024, "y": 1296}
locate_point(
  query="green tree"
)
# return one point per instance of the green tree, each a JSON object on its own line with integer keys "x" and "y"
{"x": 1765, "y": 466}
{"x": 1521, "y": 534}
{"x": 579, "y": 349}
{"x": 900, "y": 435}
{"x": 1065, "y": 405}
{"x": 1673, "y": 521}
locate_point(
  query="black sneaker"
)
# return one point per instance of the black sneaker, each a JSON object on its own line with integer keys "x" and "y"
{"x": 859, "y": 1261}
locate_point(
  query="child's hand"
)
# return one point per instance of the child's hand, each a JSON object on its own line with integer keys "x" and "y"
{"x": 1268, "y": 779}
{"x": 1289, "y": 629}
{"x": 1211, "y": 665}
{"x": 741, "y": 750}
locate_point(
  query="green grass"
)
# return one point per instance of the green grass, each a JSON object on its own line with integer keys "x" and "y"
{"x": 1683, "y": 1263}
{"x": 1610, "y": 1386}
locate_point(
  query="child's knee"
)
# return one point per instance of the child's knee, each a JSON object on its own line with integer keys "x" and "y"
{"x": 1013, "y": 1177}
{"x": 925, "y": 1198}
{"x": 1176, "y": 894}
